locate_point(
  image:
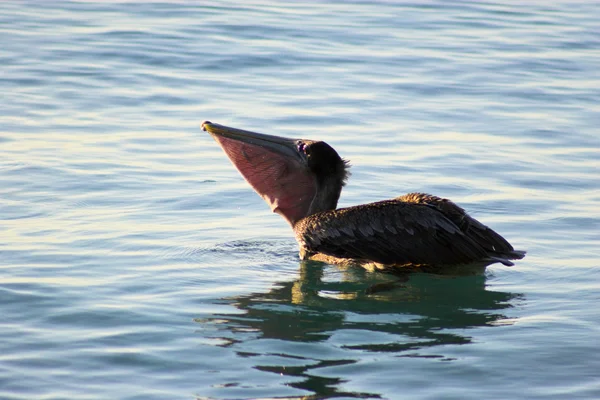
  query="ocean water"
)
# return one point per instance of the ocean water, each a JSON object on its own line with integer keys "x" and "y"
{"x": 135, "y": 262}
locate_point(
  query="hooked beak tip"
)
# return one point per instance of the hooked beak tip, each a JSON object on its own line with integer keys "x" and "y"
{"x": 204, "y": 125}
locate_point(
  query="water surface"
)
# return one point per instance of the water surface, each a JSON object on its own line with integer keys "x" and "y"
{"x": 136, "y": 263}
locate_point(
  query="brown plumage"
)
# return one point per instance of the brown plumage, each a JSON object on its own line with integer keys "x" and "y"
{"x": 302, "y": 180}
{"x": 414, "y": 231}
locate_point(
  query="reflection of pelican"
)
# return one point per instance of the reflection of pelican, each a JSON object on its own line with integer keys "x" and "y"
{"x": 301, "y": 326}
{"x": 302, "y": 181}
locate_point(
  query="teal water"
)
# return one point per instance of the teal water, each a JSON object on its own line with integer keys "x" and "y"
{"x": 135, "y": 263}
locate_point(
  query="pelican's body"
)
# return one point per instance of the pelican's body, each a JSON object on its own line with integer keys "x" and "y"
{"x": 302, "y": 181}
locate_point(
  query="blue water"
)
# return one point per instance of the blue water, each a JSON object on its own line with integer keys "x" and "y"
{"x": 135, "y": 262}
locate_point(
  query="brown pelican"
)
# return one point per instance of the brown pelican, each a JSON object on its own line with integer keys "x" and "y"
{"x": 301, "y": 180}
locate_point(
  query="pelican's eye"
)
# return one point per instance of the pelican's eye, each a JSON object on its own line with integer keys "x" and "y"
{"x": 303, "y": 148}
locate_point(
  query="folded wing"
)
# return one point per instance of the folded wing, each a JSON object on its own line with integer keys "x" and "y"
{"x": 402, "y": 232}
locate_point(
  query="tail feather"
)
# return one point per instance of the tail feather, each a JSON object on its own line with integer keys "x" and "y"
{"x": 506, "y": 257}
{"x": 517, "y": 254}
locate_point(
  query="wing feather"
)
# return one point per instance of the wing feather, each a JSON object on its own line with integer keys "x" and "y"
{"x": 389, "y": 232}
